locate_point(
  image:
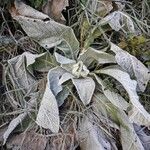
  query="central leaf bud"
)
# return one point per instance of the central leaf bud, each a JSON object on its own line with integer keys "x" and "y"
{"x": 80, "y": 70}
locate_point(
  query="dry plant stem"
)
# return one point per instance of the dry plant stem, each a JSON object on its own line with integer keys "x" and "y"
{"x": 122, "y": 1}
{"x": 7, "y": 26}
{"x": 11, "y": 100}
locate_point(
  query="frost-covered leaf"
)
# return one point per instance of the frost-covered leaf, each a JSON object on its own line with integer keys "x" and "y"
{"x": 40, "y": 62}
{"x": 13, "y": 124}
{"x": 53, "y": 8}
{"x": 85, "y": 88}
{"x": 128, "y": 136}
{"x": 80, "y": 70}
{"x": 63, "y": 60}
{"x": 53, "y": 78}
{"x": 77, "y": 69}
{"x": 61, "y": 96}
{"x": 20, "y": 70}
{"x": 92, "y": 54}
{"x": 19, "y": 73}
{"x": 30, "y": 58}
{"x": 92, "y": 138}
{"x": 118, "y": 20}
{"x": 101, "y": 105}
{"x": 99, "y": 8}
{"x": 115, "y": 98}
{"x": 73, "y": 68}
{"x": 48, "y": 114}
{"x": 136, "y": 117}
{"x": 56, "y": 79}
{"x": 130, "y": 86}
{"x": 21, "y": 67}
{"x": 65, "y": 77}
{"x": 47, "y": 32}
{"x": 145, "y": 139}
{"x": 20, "y": 8}
{"x": 44, "y": 63}
{"x": 132, "y": 65}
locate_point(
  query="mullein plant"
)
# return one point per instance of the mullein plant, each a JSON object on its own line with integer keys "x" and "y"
{"x": 93, "y": 74}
